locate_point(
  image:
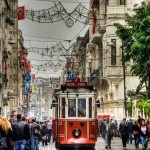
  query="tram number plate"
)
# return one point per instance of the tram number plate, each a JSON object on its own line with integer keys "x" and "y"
{"x": 60, "y": 123}
{"x": 93, "y": 123}
{"x": 61, "y": 135}
{"x": 92, "y": 136}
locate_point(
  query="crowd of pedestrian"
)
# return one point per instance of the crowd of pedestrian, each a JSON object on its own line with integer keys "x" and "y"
{"x": 137, "y": 130}
{"x": 20, "y": 133}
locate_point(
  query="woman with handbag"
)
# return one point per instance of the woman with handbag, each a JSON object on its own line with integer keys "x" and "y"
{"x": 136, "y": 133}
{"x": 148, "y": 127}
{"x": 44, "y": 134}
{"x": 5, "y": 133}
{"x": 143, "y": 134}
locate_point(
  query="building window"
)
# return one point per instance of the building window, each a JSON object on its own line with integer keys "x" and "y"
{"x": 122, "y": 2}
{"x": 113, "y": 52}
{"x": 107, "y": 2}
{"x": 14, "y": 102}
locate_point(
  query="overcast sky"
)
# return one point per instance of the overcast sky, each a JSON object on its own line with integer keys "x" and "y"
{"x": 57, "y": 31}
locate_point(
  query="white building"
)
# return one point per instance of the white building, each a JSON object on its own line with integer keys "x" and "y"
{"x": 104, "y": 51}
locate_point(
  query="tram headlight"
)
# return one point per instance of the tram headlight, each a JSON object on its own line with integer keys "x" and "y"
{"x": 76, "y": 132}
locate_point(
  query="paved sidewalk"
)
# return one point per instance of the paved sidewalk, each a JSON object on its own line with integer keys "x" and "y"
{"x": 116, "y": 144}
{"x": 100, "y": 145}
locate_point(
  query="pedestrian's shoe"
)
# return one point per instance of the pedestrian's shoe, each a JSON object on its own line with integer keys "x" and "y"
{"x": 106, "y": 147}
{"x": 109, "y": 147}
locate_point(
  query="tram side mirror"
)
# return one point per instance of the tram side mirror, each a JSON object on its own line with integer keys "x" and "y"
{"x": 90, "y": 87}
{"x": 53, "y": 103}
{"x": 98, "y": 103}
{"x": 63, "y": 88}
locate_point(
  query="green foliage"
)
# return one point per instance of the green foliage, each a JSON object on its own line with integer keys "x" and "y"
{"x": 5, "y": 103}
{"x": 144, "y": 105}
{"x": 129, "y": 108}
{"x": 135, "y": 38}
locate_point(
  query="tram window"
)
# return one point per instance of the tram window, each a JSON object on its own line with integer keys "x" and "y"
{"x": 63, "y": 107}
{"x": 90, "y": 107}
{"x": 71, "y": 107}
{"x": 81, "y": 107}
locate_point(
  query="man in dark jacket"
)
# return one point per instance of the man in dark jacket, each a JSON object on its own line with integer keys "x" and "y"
{"x": 130, "y": 130}
{"x": 123, "y": 128}
{"x": 21, "y": 133}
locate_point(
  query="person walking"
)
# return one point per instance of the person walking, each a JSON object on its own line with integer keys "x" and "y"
{"x": 130, "y": 131}
{"x": 49, "y": 130}
{"x": 35, "y": 133}
{"x": 108, "y": 131}
{"x": 123, "y": 128}
{"x": 148, "y": 127}
{"x": 5, "y": 133}
{"x": 44, "y": 134}
{"x": 143, "y": 134}
{"x": 136, "y": 133}
{"x": 20, "y": 134}
{"x": 13, "y": 118}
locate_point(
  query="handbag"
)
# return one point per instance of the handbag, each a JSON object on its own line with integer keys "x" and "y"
{"x": 44, "y": 137}
{"x": 148, "y": 145}
{"x": 27, "y": 147}
{"x": 3, "y": 142}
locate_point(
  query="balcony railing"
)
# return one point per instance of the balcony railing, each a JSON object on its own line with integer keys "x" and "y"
{"x": 94, "y": 76}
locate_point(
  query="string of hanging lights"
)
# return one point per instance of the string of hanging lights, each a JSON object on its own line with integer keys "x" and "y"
{"x": 58, "y": 13}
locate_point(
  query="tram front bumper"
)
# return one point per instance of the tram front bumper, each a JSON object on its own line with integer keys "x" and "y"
{"x": 80, "y": 142}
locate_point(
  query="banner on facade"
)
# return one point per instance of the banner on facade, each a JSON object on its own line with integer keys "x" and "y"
{"x": 94, "y": 17}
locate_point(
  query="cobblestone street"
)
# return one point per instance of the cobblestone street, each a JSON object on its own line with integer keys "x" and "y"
{"x": 100, "y": 145}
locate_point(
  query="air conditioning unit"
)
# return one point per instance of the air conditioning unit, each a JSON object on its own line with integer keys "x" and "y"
{"x": 1, "y": 79}
{"x": 55, "y": 86}
{"x": 11, "y": 39}
{"x": 1, "y": 5}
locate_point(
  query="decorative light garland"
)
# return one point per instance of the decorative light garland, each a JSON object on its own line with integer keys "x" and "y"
{"x": 58, "y": 13}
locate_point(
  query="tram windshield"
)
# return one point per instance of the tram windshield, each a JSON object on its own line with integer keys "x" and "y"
{"x": 72, "y": 108}
{"x": 77, "y": 108}
{"x": 81, "y": 107}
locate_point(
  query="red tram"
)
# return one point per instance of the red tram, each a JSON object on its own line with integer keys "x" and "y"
{"x": 75, "y": 122}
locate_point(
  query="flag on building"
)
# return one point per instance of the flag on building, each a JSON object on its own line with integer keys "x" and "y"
{"x": 21, "y": 13}
{"x": 94, "y": 17}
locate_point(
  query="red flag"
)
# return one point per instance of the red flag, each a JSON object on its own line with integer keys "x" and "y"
{"x": 94, "y": 17}
{"x": 21, "y": 13}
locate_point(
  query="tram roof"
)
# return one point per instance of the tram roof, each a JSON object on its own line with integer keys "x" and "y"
{"x": 79, "y": 91}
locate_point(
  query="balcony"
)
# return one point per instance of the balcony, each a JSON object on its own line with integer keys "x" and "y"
{"x": 113, "y": 71}
{"x": 94, "y": 76}
{"x": 96, "y": 38}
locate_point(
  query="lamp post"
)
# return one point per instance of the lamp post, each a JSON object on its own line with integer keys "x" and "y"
{"x": 124, "y": 84}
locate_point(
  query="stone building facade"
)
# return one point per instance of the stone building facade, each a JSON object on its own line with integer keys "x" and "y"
{"x": 105, "y": 51}
{"x": 97, "y": 56}
{"x": 12, "y": 66}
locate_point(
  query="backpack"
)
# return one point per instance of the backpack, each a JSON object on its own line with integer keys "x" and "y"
{"x": 35, "y": 130}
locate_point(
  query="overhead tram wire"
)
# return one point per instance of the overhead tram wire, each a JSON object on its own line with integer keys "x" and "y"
{"x": 61, "y": 1}
{"x": 40, "y": 37}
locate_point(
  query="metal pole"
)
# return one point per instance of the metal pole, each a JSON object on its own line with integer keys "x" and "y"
{"x": 124, "y": 83}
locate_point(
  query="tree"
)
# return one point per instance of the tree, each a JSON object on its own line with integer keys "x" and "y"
{"x": 144, "y": 105}
{"x": 135, "y": 38}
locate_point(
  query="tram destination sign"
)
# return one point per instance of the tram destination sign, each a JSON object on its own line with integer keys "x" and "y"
{"x": 76, "y": 85}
